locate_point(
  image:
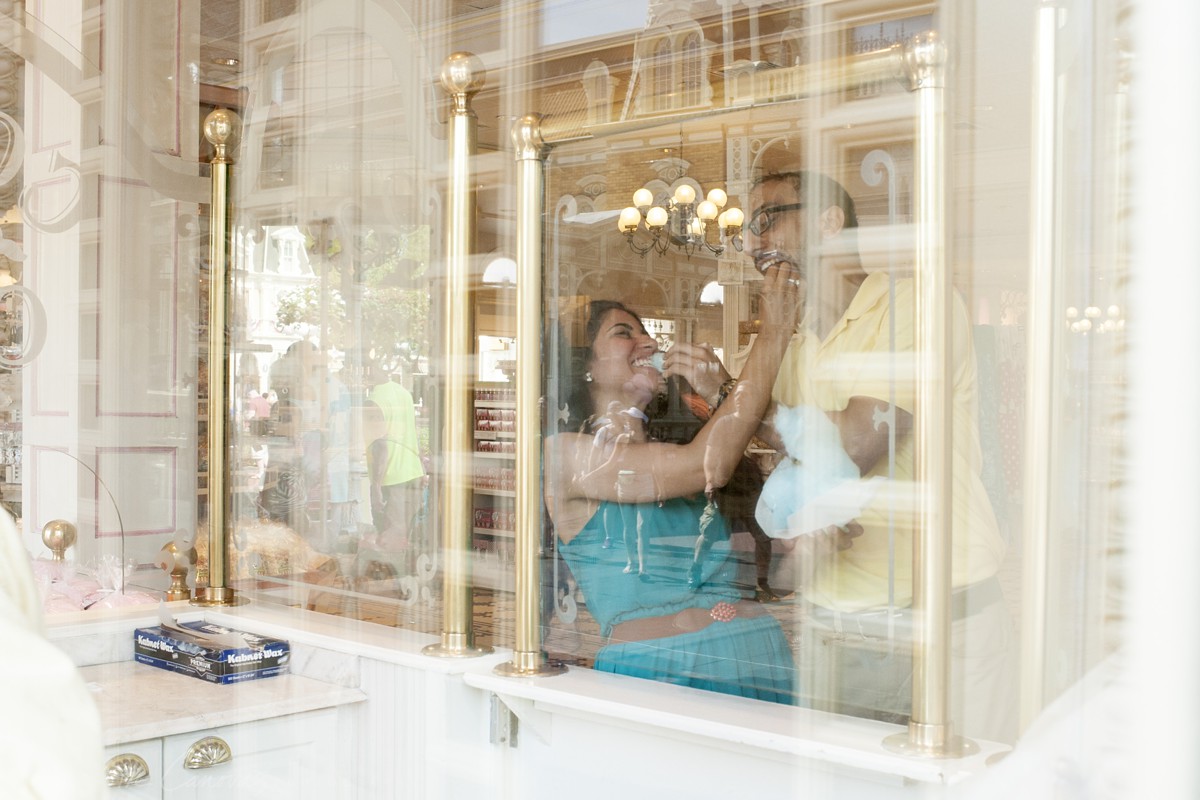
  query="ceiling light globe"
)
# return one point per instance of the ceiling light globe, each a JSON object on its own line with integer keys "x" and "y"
{"x": 656, "y": 217}
{"x": 684, "y": 194}
{"x": 630, "y": 217}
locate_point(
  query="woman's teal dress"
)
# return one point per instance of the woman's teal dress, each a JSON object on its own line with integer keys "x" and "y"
{"x": 745, "y": 656}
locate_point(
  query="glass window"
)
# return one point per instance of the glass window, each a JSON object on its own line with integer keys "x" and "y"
{"x": 664, "y": 74}
{"x": 807, "y": 332}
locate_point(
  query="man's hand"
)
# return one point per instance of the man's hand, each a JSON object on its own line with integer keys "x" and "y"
{"x": 814, "y": 549}
{"x": 699, "y": 366}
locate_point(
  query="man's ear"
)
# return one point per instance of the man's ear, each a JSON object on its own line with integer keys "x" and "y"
{"x": 831, "y": 222}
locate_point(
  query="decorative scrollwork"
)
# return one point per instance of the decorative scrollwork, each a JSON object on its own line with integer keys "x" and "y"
{"x": 408, "y": 590}
{"x": 54, "y": 217}
{"x": 12, "y": 148}
{"x": 33, "y": 315}
{"x": 876, "y": 165}
{"x": 565, "y": 608}
{"x": 208, "y": 752}
{"x": 426, "y": 567}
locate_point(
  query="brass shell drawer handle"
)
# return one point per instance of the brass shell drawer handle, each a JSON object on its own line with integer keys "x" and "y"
{"x": 207, "y": 752}
{"x": 126, "y": 769}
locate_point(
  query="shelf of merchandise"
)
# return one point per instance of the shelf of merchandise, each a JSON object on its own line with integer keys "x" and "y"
{"x": 494, "y": 495}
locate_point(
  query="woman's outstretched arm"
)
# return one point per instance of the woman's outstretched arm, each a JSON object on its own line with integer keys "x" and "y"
{"x": 579, "y": 466}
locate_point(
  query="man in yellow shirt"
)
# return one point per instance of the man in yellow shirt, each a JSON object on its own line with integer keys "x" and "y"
{"x": 853, "y": 361}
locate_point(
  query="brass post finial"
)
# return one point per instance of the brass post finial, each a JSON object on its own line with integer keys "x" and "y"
{"x": 176, "y": 558}
{"x": 922, "y": 61}
{"x": 462, "y": 76}
{"x": 221, "y": 129}
{"x": 527, "y": 138}
{"x": 58, "y": 535}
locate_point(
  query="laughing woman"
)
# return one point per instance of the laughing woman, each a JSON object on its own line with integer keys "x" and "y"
{"x": 627, "y": 510}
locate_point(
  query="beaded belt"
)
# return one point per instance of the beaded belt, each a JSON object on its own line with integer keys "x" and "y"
{"x": 689, "y": 620}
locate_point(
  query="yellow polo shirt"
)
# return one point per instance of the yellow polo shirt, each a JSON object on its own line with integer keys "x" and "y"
{"x": 400, "y": 419}
{"x": 858, "y": 358}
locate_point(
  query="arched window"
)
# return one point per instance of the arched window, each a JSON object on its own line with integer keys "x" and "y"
{"x": 786, "y": 57}
{"x": 791, "y": 48}
{"x": 693, "y": 70}
{"x": 664, "y": 70}
{"x": 598, "y": 88}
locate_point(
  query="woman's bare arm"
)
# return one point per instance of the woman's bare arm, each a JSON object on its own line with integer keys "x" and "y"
{"x": 583, "y": 467}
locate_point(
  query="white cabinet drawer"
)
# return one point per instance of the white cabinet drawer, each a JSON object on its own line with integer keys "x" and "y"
{"x": 290, "y": 756}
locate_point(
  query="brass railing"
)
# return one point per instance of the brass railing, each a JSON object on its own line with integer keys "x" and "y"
{"x": 1039, "y": 389}
{"x": 462, "y": 76}
{"x": 529, "y": 659}
{"x": 930, "y": 730}
{"x": 221, "y": 128}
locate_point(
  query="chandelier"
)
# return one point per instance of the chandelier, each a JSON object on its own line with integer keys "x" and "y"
{"x": 682, "y": 222}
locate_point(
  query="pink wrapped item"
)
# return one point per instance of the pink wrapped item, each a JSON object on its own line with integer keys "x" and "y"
{"x": 61, "y": 587}
{"x": 111, "y": 591}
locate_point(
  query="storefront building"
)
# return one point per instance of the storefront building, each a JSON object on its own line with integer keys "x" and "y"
{"x": 300, "y": 334}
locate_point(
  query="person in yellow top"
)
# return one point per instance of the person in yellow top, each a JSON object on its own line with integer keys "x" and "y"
{"x": 850, "y": 375}
{"x": 394, "y": 464}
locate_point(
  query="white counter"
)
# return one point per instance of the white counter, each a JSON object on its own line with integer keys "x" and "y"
{"x": 137, "y": 701}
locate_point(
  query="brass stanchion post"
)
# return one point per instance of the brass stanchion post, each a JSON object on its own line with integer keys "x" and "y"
{"x": 220, "y": 129}
{"x": 1041, "y": 382}
{"x": 529, "y": 660}
{"x": 930, "y": 730}
{"x": 462, "y": 76}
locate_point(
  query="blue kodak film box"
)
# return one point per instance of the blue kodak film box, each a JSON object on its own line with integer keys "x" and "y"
{"x": 262, "y": 656}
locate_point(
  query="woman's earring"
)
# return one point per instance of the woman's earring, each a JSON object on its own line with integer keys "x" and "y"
{"x": 587, "y": 376}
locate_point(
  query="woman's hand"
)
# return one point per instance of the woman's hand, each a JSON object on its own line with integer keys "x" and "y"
{"x": 699, "y": 366}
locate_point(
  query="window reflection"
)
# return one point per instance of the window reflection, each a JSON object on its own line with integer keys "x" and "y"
{"x": 339, "y": 367}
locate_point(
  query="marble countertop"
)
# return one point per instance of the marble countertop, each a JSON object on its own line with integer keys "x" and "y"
{"x": 139, "y": 702}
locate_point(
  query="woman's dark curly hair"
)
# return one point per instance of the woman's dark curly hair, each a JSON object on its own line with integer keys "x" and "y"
{"x": 571, "y": 365}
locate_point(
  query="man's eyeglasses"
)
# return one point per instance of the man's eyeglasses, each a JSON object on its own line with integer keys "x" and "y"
{"x": 762, "y": 221}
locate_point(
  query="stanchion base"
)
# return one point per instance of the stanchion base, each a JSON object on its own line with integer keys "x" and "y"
{"x": 546, "y": 669}
{"x": 954, "y": 747}
{"x": 442, "y": 650}
{"x": 218, "y": 596}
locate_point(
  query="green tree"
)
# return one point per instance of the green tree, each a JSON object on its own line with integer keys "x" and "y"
{"x": 390, "y": 299}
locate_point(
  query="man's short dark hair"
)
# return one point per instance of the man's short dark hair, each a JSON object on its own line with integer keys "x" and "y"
{"x": 827, "y": 191}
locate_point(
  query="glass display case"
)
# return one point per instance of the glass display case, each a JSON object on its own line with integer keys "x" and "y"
{"x": 775, "y": 357}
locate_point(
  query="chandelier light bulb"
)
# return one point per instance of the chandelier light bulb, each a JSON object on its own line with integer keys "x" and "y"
{"x": 656, "y": 217}
{"x": 630, "y": 217}
{"x": 685, "y": 194}
{"x": 643, "y": 198}
{"x": 718, "y": 197}
{"x": 706, "y": 210}
{"x": 1091, "y": 312}
{"x": 696, "y": 228}
{"x": 732, "y": 218}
